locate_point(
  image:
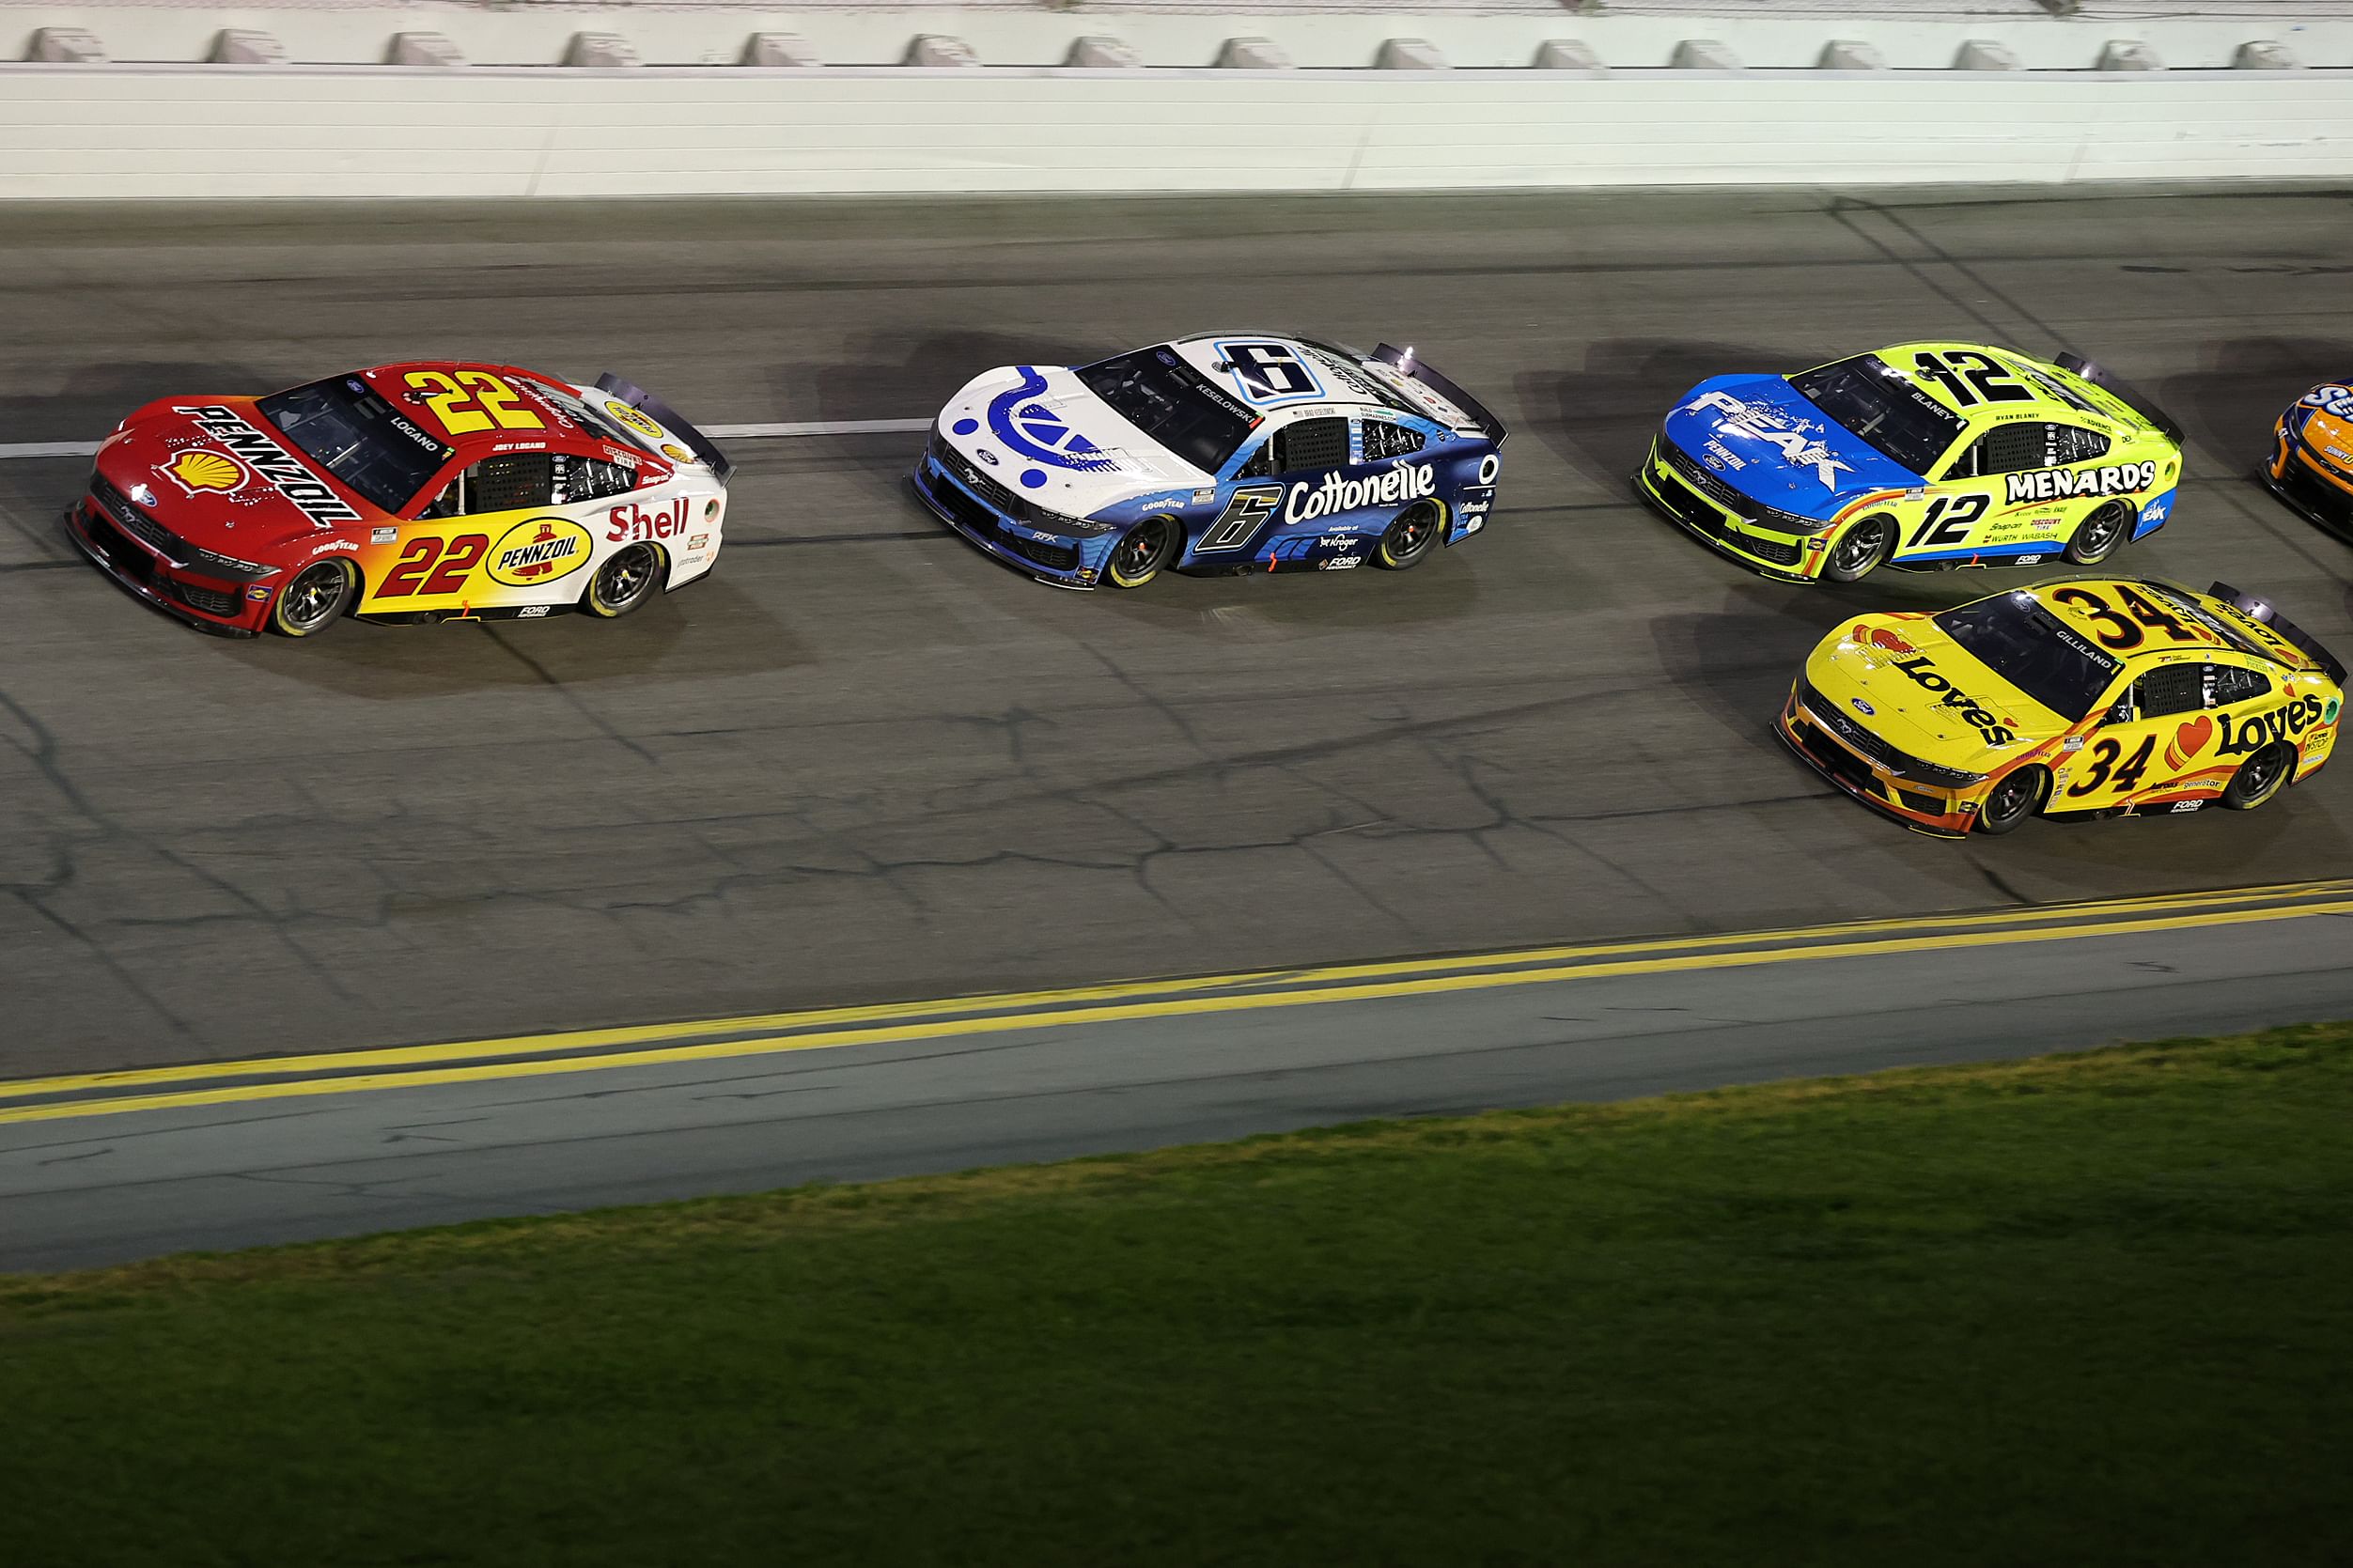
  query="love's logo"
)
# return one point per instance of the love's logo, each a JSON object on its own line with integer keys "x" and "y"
{"x": 2188, "y": 740}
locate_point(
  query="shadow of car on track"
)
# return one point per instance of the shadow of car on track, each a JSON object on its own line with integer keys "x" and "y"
{"x": 1600, "y": 419}
{"x": 708, "y": 630}
{"x": 2228, "y": 406}
{"x": 94, "y": 398}
{"x": 907, "y": 375}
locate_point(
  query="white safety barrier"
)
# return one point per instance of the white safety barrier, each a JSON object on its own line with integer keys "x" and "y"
{"x": 1626, "y": 34}
{"x": 206, "y": 133}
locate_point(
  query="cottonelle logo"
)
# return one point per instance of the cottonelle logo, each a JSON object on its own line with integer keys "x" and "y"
{"x": 278, "y": 468}
{"x": 1336, "y": 495}
{"x": 2057, "y": 483}
{"x": 537, "y": 552}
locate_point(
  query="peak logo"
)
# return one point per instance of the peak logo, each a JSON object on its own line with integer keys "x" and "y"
{"x": 2057, "y": 483}
{"x": 1335, "y": 495}
{"x": 1757, "y": 422}
{"x": 537, "y": 552}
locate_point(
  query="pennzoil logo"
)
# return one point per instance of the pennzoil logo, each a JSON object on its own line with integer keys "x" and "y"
{"x": 279, "y": 469}
{"x": 201, "y": 469}
{"x": 538, "y": 550}
{"x": 634, "y": 420}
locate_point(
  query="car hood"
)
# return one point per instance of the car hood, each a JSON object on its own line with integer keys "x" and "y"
{"x": 1923, "y": 693}
{"x": 1040, "y": 432}
{"x": 2329, "y": 435}
{"x": 211, "y": 471}
{"x": 1758, "y": 435}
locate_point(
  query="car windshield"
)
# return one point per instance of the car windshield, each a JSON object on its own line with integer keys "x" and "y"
{"x": 344, "y": 428}
{"x": 1905, "y": 424}
{"x": 2034, "y": 651}
{"x": 1172, "y": 403}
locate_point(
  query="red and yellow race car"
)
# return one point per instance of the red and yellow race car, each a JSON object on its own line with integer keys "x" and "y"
{"x": 424, "y": 491}
{"x": 2311, "y": 467}
{"x": 2084, "y": 698}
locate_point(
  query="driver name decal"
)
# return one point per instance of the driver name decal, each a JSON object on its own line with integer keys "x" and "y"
{"x": 277, "y": 467}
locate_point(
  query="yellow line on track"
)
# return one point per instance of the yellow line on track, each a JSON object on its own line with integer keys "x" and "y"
{"x": 1369, "y": 987}
{"x": 1030, "y": 1003}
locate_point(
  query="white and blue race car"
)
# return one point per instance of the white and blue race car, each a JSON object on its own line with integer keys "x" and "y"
{"x": 1224, "y": 452}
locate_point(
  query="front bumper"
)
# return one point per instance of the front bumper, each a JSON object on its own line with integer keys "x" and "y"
{"x": 224, "y": 609}
{"x": 1940, "y": 813}
{"x": 1783, "y": 557}
{"x": 2307, "y": 486}
{"x": 1061, "y": 561}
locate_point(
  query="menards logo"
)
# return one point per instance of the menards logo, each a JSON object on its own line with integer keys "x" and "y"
{"x": 284, "y": 471}
{"x": 2057, "y": 483}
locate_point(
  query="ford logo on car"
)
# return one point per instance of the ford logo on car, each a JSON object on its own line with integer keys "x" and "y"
{"x": 1862, "y": 706}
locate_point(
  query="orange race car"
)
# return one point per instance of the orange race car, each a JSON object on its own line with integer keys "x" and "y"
{"x": 2311, "y": 467}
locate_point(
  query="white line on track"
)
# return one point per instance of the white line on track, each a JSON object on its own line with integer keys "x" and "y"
{"x": 716, "y": 433}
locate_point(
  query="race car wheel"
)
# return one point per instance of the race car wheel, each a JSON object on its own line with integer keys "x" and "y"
{"x": 2259, "y": 777}
{"x": 2099, "y": 533}
{"x": 310, "y": 603}
{"x": 625, "y": 580}
{"x": 2015, "y": 796}
{"x": 1861, "y": 550}
{"x": 1407, "y": 539}
{"x": 1142, "y": 551}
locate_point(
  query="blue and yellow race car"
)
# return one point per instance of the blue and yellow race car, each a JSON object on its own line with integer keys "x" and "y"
{"x": 1923, "y": 456}
{"x": 1224, "y": 452}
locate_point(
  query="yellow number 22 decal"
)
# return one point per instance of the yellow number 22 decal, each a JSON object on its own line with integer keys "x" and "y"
{"x": 474, "y": 400}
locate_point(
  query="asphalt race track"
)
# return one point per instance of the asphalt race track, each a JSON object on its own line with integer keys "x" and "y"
{"x": 107, "y": 1167}
{"x": 865, "y": 763}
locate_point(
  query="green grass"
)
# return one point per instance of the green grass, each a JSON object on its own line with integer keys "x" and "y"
{"x": 2088, "y": 1307}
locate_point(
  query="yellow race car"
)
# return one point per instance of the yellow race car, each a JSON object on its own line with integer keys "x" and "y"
{"x": 1923, "y": 456}
{"x": 2083, "y": 697}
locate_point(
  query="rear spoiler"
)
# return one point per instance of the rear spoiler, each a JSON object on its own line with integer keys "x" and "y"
{"x": 2259, "y": 609}
{"x": 662, "y": 413}
{"x": 1402, "y": 359}
{"x": 2124, "y": 393}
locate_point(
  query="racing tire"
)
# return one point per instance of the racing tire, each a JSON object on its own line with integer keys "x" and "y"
{"x": 1142, "y": 552}
{"x": 2015, "y": 796}
{"x": 320, "y": 594}
{"x": 627, "y": 579}
{"x": 1408, "y": 538}
{"x": 1862, "y": 550}
{"x": 2260, "y": 777}
{"x": 2098, "y": 534}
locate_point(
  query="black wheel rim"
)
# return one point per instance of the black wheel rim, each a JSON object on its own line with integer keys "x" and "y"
{"x": 2100, "y": 535}
{"x": 1860, "y": 549}
{"x": 1409, "y": 535}
{"x": 312, "y": 598}
{"x": 624, "y": 577}
{"x": 2262, "y": 776}
{"x": 2011, "y": 798}
{"x": 1140, "y": 551}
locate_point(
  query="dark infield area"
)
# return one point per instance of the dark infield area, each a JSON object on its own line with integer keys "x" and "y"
{"x": 865, "y": 763}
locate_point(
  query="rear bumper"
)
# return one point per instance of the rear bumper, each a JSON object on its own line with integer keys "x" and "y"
{"x": 224, "y": 609}
{"x": 1781, "y": 558}
{"x": 1936, "y": 813}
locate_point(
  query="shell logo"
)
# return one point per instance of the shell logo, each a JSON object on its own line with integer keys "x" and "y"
{"x": 538, "y": 550}
{"x": 199, "y": 469}
{"x": 634, "y": 420}
{"x": 676, "y": 453}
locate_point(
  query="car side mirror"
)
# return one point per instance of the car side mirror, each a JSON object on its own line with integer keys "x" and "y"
{"x": 2120, "y": 713}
